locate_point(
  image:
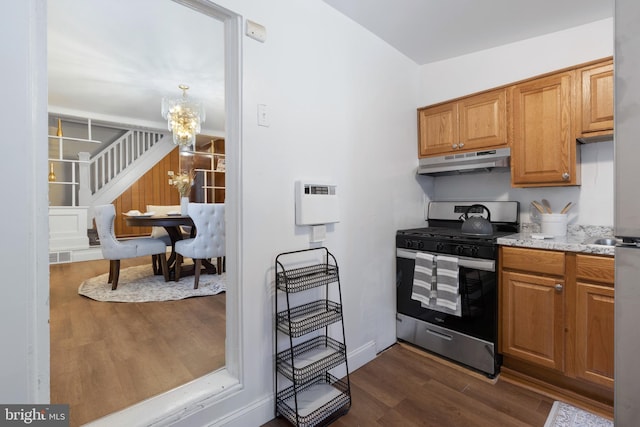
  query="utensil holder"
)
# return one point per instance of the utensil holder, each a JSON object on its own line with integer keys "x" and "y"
{"x": 554, "y": 224}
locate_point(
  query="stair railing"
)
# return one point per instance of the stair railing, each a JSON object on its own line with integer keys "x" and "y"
{"x": 112, "y": 161}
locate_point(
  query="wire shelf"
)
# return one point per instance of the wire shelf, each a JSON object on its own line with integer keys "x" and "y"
{"x": 309, "y": 317}
{"x": 311, "y": 358}
{"x": 318, "y": 401}
{"x": 301, "y": 279}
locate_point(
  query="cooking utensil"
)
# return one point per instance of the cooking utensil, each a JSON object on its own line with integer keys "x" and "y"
{"x": 566, "y": 208}
{"x": 547, "y": 205}
{"x": 538, "y": 206}
{"x": 477, "y": 225}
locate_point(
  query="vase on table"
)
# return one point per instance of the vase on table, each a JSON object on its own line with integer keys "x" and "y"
{"x": 184, "y": 205}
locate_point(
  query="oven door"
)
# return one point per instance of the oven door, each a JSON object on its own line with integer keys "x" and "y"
{"x": 478, "y": 292}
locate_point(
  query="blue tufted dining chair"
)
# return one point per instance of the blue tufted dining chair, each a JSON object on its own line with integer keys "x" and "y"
{"x": 209, "y": 242}
{"x": 114, "y": 250}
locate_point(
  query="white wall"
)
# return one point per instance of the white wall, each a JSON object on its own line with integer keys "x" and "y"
{"x": 506, "y": 64}
{"x": 24, "y": 311}
{"x": 341, "y": 105}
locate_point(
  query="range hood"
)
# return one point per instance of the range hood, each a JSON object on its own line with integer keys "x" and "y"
{"x": 477, "y": 161}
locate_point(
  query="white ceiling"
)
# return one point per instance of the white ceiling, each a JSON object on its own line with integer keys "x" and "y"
{"x": 118, "y": 58}
{"x": 432, "y": 30}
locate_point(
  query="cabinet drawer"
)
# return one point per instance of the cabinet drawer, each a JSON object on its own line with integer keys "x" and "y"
{"x": 595, "y": 268}
{"x": 533, "y": 260}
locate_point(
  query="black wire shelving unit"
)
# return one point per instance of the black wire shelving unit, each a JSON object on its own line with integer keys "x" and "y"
{"x": 307, "y": 391}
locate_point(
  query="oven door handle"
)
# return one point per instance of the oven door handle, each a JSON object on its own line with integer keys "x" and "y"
{"x": 472, "y": 263}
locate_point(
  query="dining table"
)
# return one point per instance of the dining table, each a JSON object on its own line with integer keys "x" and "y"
{"x": 172, "y": 224}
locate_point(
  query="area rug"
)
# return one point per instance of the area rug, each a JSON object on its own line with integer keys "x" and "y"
{"x": 565, "y": 415}
{"x": 139, "y": 284}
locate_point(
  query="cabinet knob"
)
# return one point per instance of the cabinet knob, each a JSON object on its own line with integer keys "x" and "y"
{"x": 461, "y": 145}
{"x": 454, "y": 146}
{"x": 558, "y": 287}
{"x": 566, "y": 176}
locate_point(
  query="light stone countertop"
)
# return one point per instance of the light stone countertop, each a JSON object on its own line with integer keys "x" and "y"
{"x": 572, "y": 242}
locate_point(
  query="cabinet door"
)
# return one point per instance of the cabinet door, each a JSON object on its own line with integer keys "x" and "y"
{"x": 438, "y": 129}
{"x": 533, "y": 319}
{"x": 483, "y": 121}
{"x": 595, "y": 105}
{"x": 543, "y": 149}
{"x": 594, "y": 333}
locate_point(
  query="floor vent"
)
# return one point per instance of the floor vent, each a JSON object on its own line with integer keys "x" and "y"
{"x": 59, "y": 257}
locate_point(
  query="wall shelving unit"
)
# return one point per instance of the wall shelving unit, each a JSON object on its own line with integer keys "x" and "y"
{"x": 308, "y": 393}
{"x": 64, "y": 167}
{"x": 210, "y": 170}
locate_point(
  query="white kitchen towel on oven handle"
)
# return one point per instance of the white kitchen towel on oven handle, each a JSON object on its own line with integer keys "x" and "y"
{"x": 447, "y": 282}
{"x": 423, "y": 278}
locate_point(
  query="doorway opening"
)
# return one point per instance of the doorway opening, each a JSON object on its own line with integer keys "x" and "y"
{"x": 223, "y": 380}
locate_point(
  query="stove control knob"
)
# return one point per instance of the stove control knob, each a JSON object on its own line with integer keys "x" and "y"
{"x": 408, "y": 243}
{"x": 420, "y": 245}
{"x": 474, "y": 250}
{"x": 439, "y": 246}
{"x": 459, "y": 249}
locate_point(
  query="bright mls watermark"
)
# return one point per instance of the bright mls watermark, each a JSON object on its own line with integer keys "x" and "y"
{"x": 34, "y": 415}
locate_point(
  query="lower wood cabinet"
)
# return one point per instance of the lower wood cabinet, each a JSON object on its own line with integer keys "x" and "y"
{"x": 557, "y": 318}
{"x": 594, "y": 319}
{"x": 533, "y": 318}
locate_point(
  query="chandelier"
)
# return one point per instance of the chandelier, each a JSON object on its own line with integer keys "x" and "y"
{"x": 184, "y": 117}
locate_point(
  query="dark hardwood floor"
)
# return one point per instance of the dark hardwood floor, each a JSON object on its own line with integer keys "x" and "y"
{"x": 108, "y": 356}
{"x": 405, "y": 387}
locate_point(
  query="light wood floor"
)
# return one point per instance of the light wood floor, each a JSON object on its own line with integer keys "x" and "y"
{"x": 404, "y": 387}
{"x": 108, "y": 356}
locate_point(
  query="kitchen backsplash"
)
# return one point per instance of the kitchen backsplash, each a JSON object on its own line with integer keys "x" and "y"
{"x": 592, "y": 200}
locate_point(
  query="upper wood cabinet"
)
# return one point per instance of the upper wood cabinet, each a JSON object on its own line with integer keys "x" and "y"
{"x": 540, "y": 118}
{"x": 594, "y": 112}
{"x": 473, "y": 123}
{"x": 438, "y": 129}
{"x": 543, "y": 143}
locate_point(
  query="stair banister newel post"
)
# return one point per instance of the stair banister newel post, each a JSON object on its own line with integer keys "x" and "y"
{"x": 84, "y": 179}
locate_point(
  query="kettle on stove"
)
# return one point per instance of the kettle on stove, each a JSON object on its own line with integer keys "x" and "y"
{"x": 477, "y": 225}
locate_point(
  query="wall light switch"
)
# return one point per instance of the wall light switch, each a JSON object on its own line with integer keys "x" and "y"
{"x": 256, "y": 31}
{"x": 263, "y": 116}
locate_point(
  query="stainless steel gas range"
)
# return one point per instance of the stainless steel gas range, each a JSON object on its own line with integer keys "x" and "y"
{"x": 447, "y": 284}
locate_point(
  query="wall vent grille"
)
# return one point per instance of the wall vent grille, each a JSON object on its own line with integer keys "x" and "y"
{"x": 59, "y": 257}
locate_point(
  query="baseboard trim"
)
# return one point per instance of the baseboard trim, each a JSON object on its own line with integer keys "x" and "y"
{"x": 90, "y": 254}
{"x": 362, "y": 355}
{"x": 556, "y": 393}
{"x": 261, "y": 411}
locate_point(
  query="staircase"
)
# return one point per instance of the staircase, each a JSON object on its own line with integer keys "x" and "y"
{"x": 100, "y": 180}
{"x": 120, "y": 164}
